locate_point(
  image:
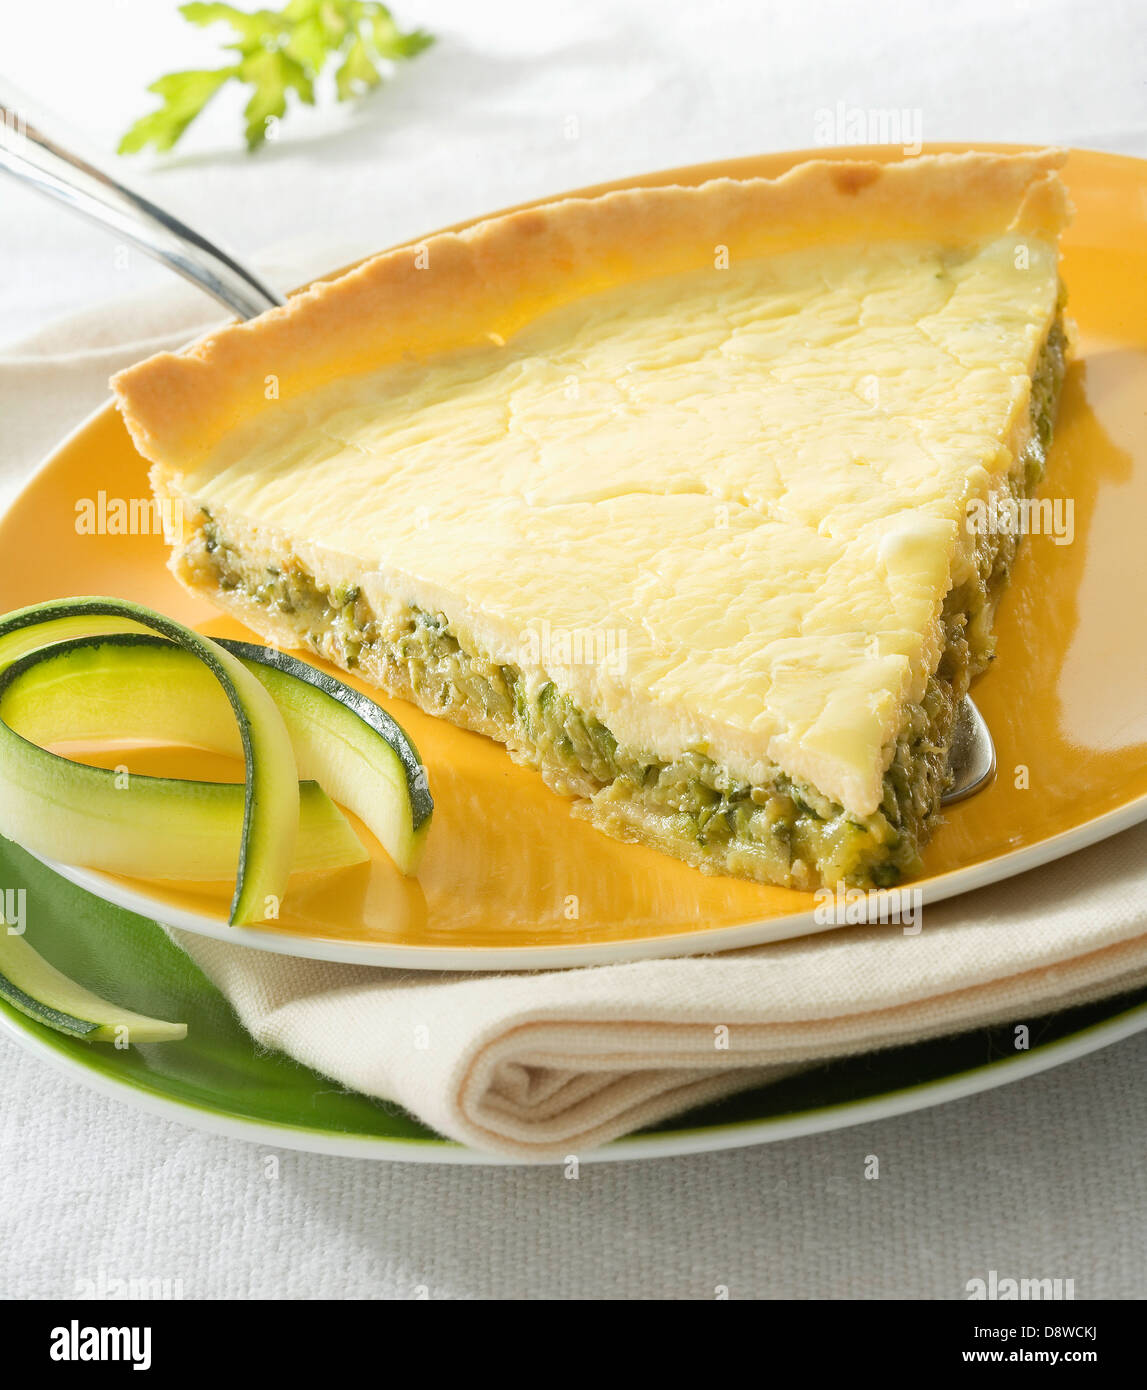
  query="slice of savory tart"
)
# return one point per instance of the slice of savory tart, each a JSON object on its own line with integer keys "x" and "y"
{"x": 668, "y": 490}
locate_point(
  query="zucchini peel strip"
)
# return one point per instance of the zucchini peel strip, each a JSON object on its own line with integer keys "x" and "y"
{"x": 99, "y": 668}
{"x": 37, "y": 989}
{"x": 270, "y": 821}
{"x": 136, "y": 685}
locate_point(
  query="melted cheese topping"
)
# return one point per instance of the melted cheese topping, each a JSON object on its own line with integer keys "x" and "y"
{"x": 732, "y": 501}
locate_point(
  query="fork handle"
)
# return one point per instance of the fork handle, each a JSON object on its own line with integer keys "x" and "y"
{"x": 34, "y": 159}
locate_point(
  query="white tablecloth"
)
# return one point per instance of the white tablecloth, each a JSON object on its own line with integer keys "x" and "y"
{"x": 1041, "y": 1179}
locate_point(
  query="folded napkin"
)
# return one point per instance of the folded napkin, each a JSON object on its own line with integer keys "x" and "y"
{"x": 543, "y": 1065}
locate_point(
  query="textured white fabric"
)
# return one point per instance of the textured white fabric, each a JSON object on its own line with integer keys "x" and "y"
{"x": 1039, "y": 1179}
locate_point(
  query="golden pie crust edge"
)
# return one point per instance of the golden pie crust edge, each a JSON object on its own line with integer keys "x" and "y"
{"x": 458, "y": 288}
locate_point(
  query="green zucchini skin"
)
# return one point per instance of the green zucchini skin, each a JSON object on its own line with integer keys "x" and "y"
{"x": 310, "y": 701}
{"x": 373, "y": 716}
{"x": 46, "y": 651}
{"x": 51, "y": 638}
{"x": 180, "y": 829}
{"x": 271, "y": 799}
{"x": 341, "y": 739}
{"x": 31, "y": 984}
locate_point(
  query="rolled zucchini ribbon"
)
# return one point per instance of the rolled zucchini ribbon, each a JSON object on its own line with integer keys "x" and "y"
{"x": 150, "y": 826}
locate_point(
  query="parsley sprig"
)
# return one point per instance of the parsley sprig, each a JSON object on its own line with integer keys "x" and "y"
{"x": 277, "y": 52}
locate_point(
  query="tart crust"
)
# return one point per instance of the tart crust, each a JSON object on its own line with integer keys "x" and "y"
{"x": 499, "y": 274}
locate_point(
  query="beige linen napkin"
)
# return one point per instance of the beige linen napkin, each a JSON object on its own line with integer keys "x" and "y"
{"x": 543, "y": 1065}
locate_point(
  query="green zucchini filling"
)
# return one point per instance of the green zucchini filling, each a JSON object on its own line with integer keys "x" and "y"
{"x": 779, "y": 831}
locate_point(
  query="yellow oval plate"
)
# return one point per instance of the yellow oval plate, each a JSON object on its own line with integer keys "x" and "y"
{"x": 512, "y": 881}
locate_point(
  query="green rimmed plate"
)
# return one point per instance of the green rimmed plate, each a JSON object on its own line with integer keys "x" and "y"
{"x": 218, "y": 1080}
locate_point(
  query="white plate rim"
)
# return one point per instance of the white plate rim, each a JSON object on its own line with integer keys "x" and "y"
{"x": 703, "y": 941}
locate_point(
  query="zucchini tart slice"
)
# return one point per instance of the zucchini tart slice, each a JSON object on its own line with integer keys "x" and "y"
{"x": 669, "y": 490}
